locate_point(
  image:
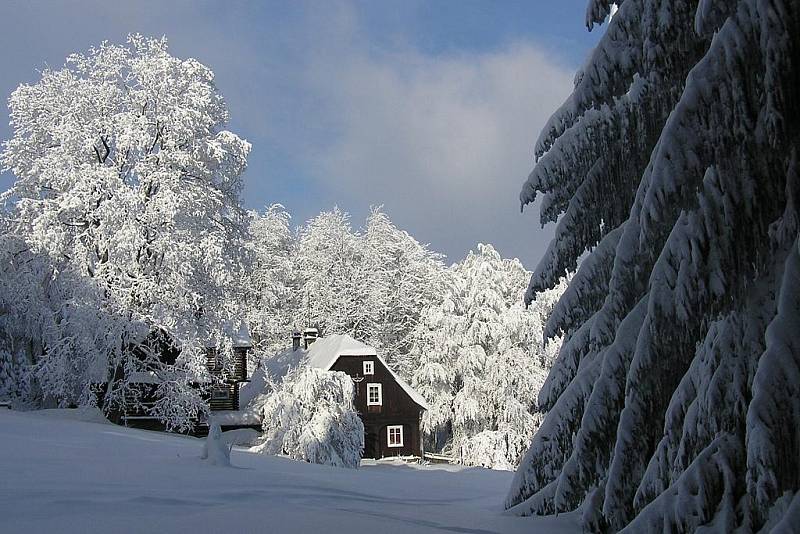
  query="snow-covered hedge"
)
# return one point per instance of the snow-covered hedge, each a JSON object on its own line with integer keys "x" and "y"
{"x": 311, "y": 417}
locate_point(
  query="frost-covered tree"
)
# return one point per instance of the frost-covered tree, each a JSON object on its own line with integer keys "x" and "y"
{"x": 128, "y": 184}
{"x": 372, "y": 285}
{"x": 24, "y": 312}
{"x": 44, "y": 307}
{"x": 673, "y": 401}
{"x": 330, "y": 267}
{"x": 310, "y": 416}
{"x": 477, "y": 358}
{"x": 432, "y": 371}
{"x": 272, "y": 296}
{"x": 404, "y": 277}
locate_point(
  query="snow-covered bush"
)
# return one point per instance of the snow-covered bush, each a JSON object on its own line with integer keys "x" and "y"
{"x": 499, "y": 449}
{"x": 311, "y": 417}
{"x": 673, "y": 403}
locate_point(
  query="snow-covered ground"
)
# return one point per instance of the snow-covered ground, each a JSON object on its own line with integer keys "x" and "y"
{"x": 59, "y": 473}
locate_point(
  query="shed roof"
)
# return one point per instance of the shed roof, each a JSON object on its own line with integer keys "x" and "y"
{"x": 324, "y": 352}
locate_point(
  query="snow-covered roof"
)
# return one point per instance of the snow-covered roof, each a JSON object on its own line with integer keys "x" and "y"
{"x": 278, "y": 365}
{"x": 324, "y": 352}
{"x": 247, "y": 416}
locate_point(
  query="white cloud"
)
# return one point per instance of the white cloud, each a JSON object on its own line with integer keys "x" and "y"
{"x": 444, "y": 142}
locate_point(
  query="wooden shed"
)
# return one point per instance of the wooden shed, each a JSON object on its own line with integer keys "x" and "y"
{"x": 222, "y": 398}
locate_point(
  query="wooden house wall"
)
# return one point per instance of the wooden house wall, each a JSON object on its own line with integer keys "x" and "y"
{"x": 237, "y": 371}
{"x": 230, "y": 403}
{"x": 397, "y": 408}
{"x": 240, "y": 363}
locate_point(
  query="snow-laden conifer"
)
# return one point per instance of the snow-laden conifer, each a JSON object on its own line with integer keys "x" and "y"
{"x": 674, "y": 164}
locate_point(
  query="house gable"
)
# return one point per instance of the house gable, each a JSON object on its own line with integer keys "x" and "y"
{"x": 326, "y": 353}
{"x": 391, "y": 427}
{"x": 396, "y": 401}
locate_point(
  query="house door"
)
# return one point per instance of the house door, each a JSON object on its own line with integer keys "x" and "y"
{"x": 371, "y": 444}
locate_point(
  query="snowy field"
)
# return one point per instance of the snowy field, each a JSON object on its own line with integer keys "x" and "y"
{"x": 61, "y": 474}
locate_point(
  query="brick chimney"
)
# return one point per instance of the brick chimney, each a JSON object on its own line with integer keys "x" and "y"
{"x": 296, "y": 338}
{"x": 310, "y": 335}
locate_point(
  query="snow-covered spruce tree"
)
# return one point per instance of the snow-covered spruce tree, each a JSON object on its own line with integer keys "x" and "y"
{"x": 13, "y": 379}
{"x": 674, "y": 399}
{"x": 477, "y": 356}
{"x": 127, "y": 182}
{"x": 310, "y": 416}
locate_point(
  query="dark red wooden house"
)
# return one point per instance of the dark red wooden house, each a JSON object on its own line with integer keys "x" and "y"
{"x": 389, "y": 408}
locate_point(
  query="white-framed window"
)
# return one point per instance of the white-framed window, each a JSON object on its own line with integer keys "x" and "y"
{"x": 394, "y": 435}
{"x": 369, "y": 368}
{"x": 374, "y": 395}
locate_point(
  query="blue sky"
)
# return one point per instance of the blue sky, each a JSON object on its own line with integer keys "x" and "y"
{"x": 430, "y": 109}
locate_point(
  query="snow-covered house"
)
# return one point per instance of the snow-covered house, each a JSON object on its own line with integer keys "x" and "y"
{"x": 389, "y": 408}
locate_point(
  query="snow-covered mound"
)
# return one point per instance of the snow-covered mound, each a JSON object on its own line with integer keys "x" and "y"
{"x": 87, "y": 415}
{"x": 215, "y": 450}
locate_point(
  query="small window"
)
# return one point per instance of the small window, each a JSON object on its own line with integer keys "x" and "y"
{"x": 369, "y": 368}
{"x": 395, "y": 435}
{"x": 374, "y": 395}
{"x": 220, "y": 394}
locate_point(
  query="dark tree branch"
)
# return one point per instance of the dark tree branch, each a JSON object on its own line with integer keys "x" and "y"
{"x": 106, "y": 149}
